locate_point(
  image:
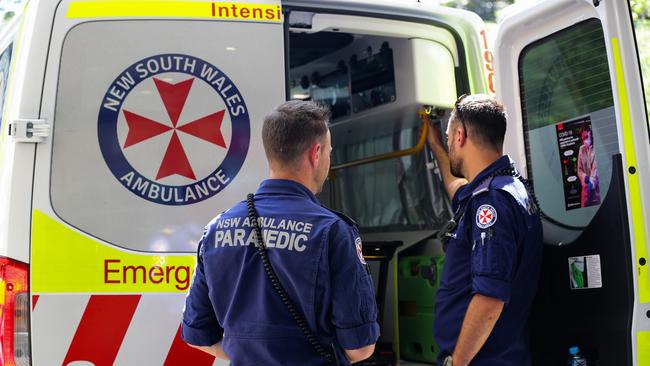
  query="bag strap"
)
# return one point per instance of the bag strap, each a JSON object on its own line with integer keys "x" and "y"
{"x": 447, "y": 232}
{"x": 331, "y": 357}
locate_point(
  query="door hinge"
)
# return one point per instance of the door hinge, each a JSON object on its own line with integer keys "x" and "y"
{"x": 29, "y": 130}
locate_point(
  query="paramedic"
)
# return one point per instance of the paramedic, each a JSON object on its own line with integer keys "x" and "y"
{"x": 493, "y": 252}
{"x": 232, "y": 311}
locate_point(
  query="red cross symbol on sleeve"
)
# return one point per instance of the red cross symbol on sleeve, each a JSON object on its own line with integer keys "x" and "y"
{"x": 485, "y": 216}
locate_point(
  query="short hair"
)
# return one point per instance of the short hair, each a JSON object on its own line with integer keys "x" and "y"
{"x": 483, "y": 117}
{"x": 291, "y": 128}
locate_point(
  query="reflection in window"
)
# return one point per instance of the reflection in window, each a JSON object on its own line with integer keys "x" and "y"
{"x": 9, "y": 10}
{"x": 641, "y": 17}
{"x": 5, "y": 65}
{"x": 569, "y": 121}
{"x": 566, "y": 76}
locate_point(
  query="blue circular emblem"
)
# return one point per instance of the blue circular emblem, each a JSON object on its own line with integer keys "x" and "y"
{"x": 174, "y": 164}
{"x": 486, "y": 216}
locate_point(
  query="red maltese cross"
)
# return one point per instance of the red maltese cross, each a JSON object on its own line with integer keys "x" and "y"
{"x": 206, "y": 128}
{"x": 485, "y": 216}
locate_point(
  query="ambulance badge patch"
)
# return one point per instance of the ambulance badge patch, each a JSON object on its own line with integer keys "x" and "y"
{"x": 486, "y": 216}
{"x": 173, "y": 129}
{"x": 359, "y": 246}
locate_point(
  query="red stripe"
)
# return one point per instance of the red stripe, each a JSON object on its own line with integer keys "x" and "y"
{"x": 182, "y": 354}
{"x": 102, "y": 328}
{"x": 34, "y": 301}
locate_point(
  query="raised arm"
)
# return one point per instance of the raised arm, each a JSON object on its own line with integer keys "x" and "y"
{"x": 434, "y": 138}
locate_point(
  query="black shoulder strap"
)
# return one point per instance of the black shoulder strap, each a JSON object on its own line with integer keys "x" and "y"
{"x": 511, "y": 171}
{"x": 331, "y": 357}
{"x": 447, "y": 232}
{"x": 343, "y": 216}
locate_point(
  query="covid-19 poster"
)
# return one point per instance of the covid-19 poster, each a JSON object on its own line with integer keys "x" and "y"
{"x": 578, "y": 161}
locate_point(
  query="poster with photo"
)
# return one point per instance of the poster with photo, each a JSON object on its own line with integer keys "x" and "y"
{"x": 585, "y": 272}
{"x": 578, "y": 162}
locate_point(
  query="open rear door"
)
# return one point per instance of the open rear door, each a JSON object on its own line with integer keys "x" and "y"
{"x": 568, "y": 75}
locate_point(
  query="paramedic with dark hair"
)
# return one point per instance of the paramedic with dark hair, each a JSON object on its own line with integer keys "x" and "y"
{"x": 493, "y": 252}
{"x": 232, "y": 311}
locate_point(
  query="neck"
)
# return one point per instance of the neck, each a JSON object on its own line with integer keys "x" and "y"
{"x": 479, "y": 160}
{"x": 297, "y": 176}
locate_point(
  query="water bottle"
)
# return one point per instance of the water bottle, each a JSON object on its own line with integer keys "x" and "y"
{"x": 576, "y": 358}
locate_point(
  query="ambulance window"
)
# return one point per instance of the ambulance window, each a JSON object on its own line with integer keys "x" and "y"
{"x": 641, "y": 18}
{"x": 154, "y": 135}
{"x": 5, "y": 65}
{"x": 10, "y": 11}
{"x": 569, "y": 122}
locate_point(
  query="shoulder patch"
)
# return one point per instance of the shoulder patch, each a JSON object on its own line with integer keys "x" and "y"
{"x": 486, "y": 216}
{"x": 343, "y": 216}
{"x": 359, "y": 245}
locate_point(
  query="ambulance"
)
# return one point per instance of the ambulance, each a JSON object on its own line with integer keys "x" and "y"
{"x": 127, "y": 125}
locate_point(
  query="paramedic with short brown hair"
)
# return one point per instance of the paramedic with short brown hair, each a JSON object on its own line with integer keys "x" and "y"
{"x": 299, "y": 293}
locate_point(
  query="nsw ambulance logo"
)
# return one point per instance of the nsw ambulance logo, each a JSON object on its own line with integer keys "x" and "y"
{"x": 359, "y": 245}
{"x": 486, "y": 216}
{"x": 174, "y": 129}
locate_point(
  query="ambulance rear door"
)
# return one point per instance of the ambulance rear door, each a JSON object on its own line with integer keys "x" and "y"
{"x": 568, "y": 74}
{"x": 156, "y": 111}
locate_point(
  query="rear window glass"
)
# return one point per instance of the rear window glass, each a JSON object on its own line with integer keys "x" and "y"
{"x": 5, "y": 67}
{"x": 640, "y": 11}
{"x": 157, "y": 126}
{"x": 569, "y": 121}
{"x": 10, "y": 11}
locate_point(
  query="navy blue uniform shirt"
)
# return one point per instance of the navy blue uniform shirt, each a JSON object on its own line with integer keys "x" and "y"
{"x": 317, "y": 256}
{"x": 497, "y": 253}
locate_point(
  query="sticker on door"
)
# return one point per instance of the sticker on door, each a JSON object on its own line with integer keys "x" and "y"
{"x": 585, "y": 272}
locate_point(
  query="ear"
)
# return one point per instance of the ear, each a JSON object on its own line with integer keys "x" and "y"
{"x": 460, "y": 135}
{"x": 314, "y": 154}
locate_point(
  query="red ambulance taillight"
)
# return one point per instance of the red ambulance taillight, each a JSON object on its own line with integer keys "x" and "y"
{"x": 14, "y": 313}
